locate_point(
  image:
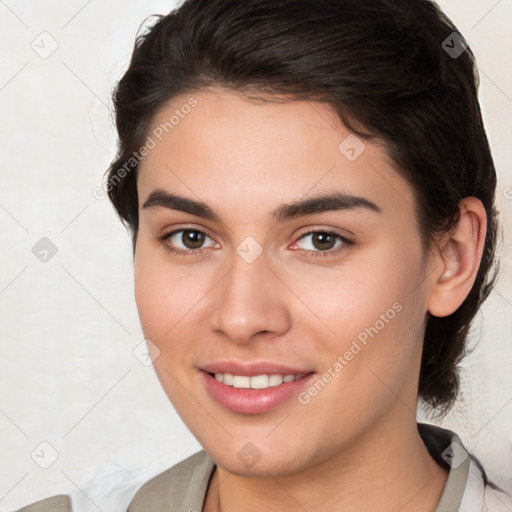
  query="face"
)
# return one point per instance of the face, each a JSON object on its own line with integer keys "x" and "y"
{"x": 280, "y": 278}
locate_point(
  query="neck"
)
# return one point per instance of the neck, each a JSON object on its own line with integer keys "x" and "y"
{"x": 380, "y": 471}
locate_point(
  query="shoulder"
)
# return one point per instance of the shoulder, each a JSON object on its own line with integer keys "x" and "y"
{"x": 468, "y": 486}
{"x": 60, "y": 503}
{"x": 181, "y": 487}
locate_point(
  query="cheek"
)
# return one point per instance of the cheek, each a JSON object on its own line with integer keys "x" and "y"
{"x": 364, "y": 287}
{"x": 390, "y": 336}
{"x": 149, "y": 295}
{"x": 371, "y": 312}
{"x": 164, "y": 312}
{"x": 157, "y": 289}
{"x": 168, "y": 297}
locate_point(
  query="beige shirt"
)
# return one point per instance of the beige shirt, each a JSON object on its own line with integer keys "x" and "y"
{"x": 182, "y": 488}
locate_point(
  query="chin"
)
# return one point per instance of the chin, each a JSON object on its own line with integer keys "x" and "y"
{"x": 252, "y": 462}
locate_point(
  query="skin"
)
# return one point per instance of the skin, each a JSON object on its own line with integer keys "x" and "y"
{"x": 355, "y": 445}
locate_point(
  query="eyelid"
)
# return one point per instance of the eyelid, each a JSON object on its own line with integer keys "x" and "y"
{"x": 166, "y": 235}
{"x": 307, "y": 231}
{"x": 346, "y": 242}
{"x": 171, "y": 230}
{"x": 332, "y": 231}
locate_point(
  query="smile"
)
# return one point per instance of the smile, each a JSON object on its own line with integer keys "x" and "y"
{"x": 254, "y": 394}
{"x": 256, "y": 381}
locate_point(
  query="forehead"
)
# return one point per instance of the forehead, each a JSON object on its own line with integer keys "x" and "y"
{"x": 229, "y": 148}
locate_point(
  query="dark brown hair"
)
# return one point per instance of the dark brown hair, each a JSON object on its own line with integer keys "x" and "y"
{"x": 395, "y": 71}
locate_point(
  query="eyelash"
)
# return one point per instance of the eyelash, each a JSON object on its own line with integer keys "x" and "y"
{"x": 314, "y": 254}
{"x": 329, "y": 252}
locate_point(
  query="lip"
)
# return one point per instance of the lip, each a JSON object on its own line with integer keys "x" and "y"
{"x": 251, "y": 369}
{"x": 253, "y": 401}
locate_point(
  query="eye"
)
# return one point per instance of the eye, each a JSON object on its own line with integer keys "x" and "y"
{"x": 322, "y": 241}
{"x": 186, "y": 241}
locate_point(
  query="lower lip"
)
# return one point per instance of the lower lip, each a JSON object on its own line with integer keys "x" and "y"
{"x": 253, "y": 401}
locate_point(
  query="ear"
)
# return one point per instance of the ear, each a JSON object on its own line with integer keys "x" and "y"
{"x": 457, "y": 259}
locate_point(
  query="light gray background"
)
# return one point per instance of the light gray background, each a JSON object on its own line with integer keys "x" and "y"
{"x": 69, "y": 326}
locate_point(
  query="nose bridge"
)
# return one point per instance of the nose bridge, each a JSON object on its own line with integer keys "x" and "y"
{"x": 249, "y": 301}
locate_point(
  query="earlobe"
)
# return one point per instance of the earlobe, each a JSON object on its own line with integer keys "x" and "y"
{"x": 457, "y": 259}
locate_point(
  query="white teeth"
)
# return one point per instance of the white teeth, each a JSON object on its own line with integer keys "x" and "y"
{"x": 275, "y": 380}
{"x": 256, "y": 381}
{"x": 241, "y": 381}
{"x": 259, "y": 382}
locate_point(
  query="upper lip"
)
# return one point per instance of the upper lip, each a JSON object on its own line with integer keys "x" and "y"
{"x": 251, "y": 369}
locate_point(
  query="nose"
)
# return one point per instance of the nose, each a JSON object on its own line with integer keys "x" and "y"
{"x": 249, "y": 301}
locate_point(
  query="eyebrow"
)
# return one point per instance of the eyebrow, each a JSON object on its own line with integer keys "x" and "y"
{"x": 317, "y": 204}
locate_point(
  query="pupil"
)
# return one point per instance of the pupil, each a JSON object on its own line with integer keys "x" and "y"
{"x": 323, "y": 241}
{"x": 192, "y": 239}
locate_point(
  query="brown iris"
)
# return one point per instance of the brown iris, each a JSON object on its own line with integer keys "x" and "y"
{"x": 192, "y": 239}
{"x": 323, "y": 241}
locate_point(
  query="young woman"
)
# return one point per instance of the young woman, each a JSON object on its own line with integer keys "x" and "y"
{"x": 310, "y": 192}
